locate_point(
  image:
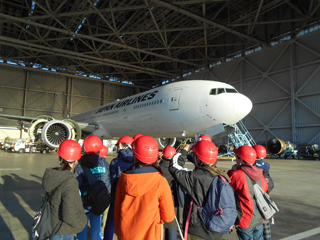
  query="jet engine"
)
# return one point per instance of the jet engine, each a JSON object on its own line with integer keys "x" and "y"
{"x": 164, "y": 142}
{"x": 223, "y": 148}
{"x": 56, "y": 131}
{"x": 53, "y": 132}
{"x": 277, "y": 146}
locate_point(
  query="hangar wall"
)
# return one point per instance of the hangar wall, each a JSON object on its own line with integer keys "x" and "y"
{"x": 24, "y": 92}
{"x": 283, "y": 83}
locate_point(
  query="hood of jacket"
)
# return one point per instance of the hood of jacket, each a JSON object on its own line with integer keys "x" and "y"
{"x": 52, "y": 178}
{"x": 139, "y": 181}
{"x": 217, "y": 171}
{"x": 126, "y": 155}
{"x": 89, "y": 160}
{"x": 252, "y": 171}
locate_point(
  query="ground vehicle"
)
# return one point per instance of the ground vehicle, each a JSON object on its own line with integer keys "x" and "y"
{"x": 22, "y": 146}
{"x": 8, "y": 143}
{"x": 308, "y": 151}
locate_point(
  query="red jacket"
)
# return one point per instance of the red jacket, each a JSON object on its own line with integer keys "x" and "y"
{"x": 248, "y": 214}
{"x": 143, "y": 202}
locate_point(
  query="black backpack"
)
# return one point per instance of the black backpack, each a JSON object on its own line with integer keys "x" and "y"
{"x": 42, "y": 223}
{"x": 98, "y": 196}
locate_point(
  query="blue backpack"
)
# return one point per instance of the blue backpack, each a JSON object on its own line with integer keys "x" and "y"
{"x": 219, "y": 213}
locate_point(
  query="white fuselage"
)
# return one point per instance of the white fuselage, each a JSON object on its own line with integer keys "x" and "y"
{"x": 167, "y": 111}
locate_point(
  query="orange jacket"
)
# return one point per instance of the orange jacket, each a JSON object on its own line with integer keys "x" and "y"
{"x": 143, "y": 202}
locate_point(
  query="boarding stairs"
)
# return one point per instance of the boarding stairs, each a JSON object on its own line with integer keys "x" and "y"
{"x": 239, "y": 137}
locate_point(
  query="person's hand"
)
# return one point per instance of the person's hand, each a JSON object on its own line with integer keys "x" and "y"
{"x": 187, "y": 147}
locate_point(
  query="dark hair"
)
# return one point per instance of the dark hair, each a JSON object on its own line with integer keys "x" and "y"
{"x": 139, "y": 164}
{"x": 64, "y": 165}
{"x": 167, "y": 159}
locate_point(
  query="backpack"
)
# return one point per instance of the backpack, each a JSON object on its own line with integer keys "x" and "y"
{"x": 269, "y": 180}
{"x": 219, "y": 213}
{"x": 98, "y": 196}
{"x": 265, "y": 204}
{"x": 42, "y": 222}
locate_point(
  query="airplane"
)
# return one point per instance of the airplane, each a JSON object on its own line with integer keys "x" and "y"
{"x": 180, "y": 109}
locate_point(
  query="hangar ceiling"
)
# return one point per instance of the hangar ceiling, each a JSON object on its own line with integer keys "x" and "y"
{"x": 143, "y": 42}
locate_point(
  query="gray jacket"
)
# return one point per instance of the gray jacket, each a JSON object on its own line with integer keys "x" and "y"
{"x": 66, "y": 203}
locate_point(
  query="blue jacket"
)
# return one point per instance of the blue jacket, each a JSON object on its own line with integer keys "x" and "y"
{"x": 99, "y": 168}
{"x": 117, "y": 165}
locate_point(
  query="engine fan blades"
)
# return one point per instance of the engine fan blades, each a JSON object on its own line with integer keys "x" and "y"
{"x": 56, "y": 134}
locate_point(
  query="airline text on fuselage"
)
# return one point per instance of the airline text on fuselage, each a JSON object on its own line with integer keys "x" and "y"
{"x": 127, "y": 102}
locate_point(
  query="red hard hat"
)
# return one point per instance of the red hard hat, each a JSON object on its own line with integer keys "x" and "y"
{"x": 125, "y": 139}
{"x": 146, "y": 149}
{"x": 206, "y": 151}
{"x": 260, "y": 151}
{"x": 137, "y": 136}
{"x": 169, "y": 152}
{"x": 246, "y": 153}
{"x": 70, "y": 150}
{"x": 92, "y": 144}
{"x": 204, "y": 138}
{"x": 103, "y": 151}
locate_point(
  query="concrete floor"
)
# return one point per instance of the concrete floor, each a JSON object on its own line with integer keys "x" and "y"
{"x": 296, "y": 192}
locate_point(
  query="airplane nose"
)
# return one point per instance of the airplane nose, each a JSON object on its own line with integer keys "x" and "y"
{"x": 242, "y": 106}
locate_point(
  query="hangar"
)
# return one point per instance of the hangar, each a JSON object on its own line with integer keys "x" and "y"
{"x": 94, "y": 52}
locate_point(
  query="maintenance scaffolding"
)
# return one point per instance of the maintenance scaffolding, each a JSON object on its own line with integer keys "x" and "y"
{"x": 239, "y": 137}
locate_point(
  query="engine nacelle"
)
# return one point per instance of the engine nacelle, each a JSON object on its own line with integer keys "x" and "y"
{"x": 164, "y": 142}
{"x": 36, "y": 126}
{"x": 75, "y": 129}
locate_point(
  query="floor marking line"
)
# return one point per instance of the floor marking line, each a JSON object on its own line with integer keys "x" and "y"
{"x": 10, "y": 169}
{"x": 303, "y": 235}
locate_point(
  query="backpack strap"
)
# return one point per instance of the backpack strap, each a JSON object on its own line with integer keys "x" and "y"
{"x": 223, "y": 178}
{"x": 89, "y": 175}
{"x": 220, "y": 208}
{"x": 188, "y": 222}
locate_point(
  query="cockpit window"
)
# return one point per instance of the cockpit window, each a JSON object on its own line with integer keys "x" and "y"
{"x": 213, "y": 91}
{"x": 231, "y": 90}
{"x": 220, "y": 90}
{"x": 216, "y": 91}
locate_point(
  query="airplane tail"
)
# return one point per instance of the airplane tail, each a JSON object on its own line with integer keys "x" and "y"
{"x": 65, "y": 112}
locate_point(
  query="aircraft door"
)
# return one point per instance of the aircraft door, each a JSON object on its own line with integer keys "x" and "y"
{"x": 174, "y": 100}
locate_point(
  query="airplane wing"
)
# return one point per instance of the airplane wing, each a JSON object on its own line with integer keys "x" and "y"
{"x": 10, "y": 128}
{"x": 53, "y": 131}
{"x": 18, "y": 118}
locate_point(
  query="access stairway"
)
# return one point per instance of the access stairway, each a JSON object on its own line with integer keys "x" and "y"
{"x": 237, "y": 138}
